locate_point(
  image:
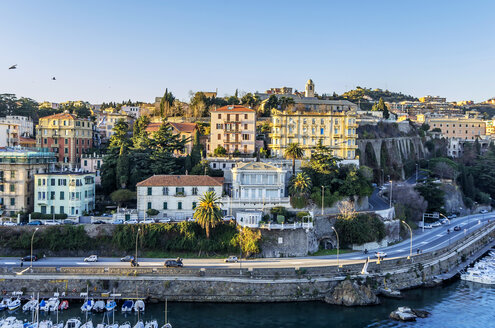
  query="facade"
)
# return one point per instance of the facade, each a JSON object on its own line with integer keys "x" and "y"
{"x": 455, "y": 146}
{"x": 26, "y": 127}
{"x": 490, "y": 127}
{"x": 257, "y": 185}
{"x": 186, "y": 132}
{"x": 459, "y": 127}
{"x": 17, "y": 170}
{"x": 9, "y": 134}
{"x": 175, "y": 196}
{"x": 107, "y": 121}
{"x": 249, "y": 219}
{"x": 92, "y": 163}
{"x": 335, "y": 128}
{"x": 134, "y": 111}
{"x": 71, "y": 193}
{"x": 428, "y": 99}
{"x": 67, "y": 136}
{"x": 234, "y": 128}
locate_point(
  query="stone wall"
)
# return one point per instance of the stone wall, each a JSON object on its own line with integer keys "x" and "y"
{"x": 288, "y": 242}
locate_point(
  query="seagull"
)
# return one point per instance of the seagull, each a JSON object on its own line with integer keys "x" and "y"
{"x": 53, "y": 78}
{"x": 13, "y": 66}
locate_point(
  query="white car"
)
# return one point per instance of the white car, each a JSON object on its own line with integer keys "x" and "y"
{"x": 131, "y": 222}
{"x": 483, "y": 211}
{"x": 165, "y": 220}
{"x": 147, "y": 221}
{"x": 228, "y": 218}
{"x": 428, "y": 226}
{"x": 436, "y": 224}
{"x": 91, "y": 258}
{"x": 9, "y": 224}
{"x": 232, "y": 259}
{"x": 52, "y": 222}
{"x": 380, "y": 254}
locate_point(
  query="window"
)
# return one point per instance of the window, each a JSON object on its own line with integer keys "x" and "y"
{"x": 211, "y": 189}
{"x": 195, "y": 191}
{"x": 165, "y": 191}
{"x": 62, "y": 195}
{"x": 56, "y": 141}
{"x": 12, "y": 174}
{"x": 245, "y": 136}
{"x": 45, "y": 141}
{"x": 150, "y": 192}
{"x": 43, "y": 209}
{"x": 194, "y": 205}
{"x": 245, "y": 116}
{"x": 179, "y": 205}
{"x": 12, "y": 187}
{"x": 149, "y": 205}
{"x": 52, "y": 195}
{"x": 219, "y": 136}
{"x": 52, "y": 182}
{"x": 52, "y": 209}
{"x": 61, "y": 210}
{"x": 39, "y": 182}
{"x": 322, "y": 131}
{"x": 165, "y": 205}
{"x": 66, "y": 141}
{"x": 12, "y": 201}
{"x": 66, "y": 150}
{"x": 219, "y": 116}
{"x": 245, "y": 126}
{"x": 219, "y": 126}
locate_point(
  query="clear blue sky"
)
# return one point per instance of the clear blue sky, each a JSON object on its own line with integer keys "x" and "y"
{"x": 116, "y": 50}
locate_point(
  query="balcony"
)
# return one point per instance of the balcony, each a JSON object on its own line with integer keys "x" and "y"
{"x": 337, "y": 135}
{"x": 231, "y": 141}
{"x": 232, "y": 131}
{"x": 180, "y": 194}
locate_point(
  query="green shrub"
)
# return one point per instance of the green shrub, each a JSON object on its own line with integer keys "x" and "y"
{"x": 361, "y": 229}
{"x": 152, "y": 212}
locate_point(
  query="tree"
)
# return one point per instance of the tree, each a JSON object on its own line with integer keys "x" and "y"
{"x": 122, "y": 195}
{"x": 208, "y": 213}
{"x": 286, "y": 102}
{"x": 409, "y": 204}
{"x": 431, "y": 192}
{"x": 294, "y": 151}
{"x": 300, "y": 184}
{"x": 248, "y": 239}
{"x": 166, "y": 103}
{"x": 380, "y": 106}
{"x": 346, "y": 210}
{"x": 220, "y": 151}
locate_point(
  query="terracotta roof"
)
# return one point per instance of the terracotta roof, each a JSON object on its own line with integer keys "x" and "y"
{"x": 153, "y": 127}
{"x": 184, "y": 127}
{"x": 27, "y": 140}
{"x": 59, "y": 116}
{"x": 233, "y": 108}
{"x": 180, "y": 180}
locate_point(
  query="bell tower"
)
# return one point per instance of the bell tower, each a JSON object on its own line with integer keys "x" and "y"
{"x": 310, "y": 89}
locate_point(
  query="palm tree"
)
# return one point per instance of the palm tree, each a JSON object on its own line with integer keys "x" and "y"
{"x": 208, "y": 213}
{"x": 294, "y": 151}
{"x": 300, "y": 184}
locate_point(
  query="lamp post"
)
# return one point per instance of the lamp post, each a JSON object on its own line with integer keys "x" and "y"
{"x": 32, "y": 240}
{"x": 338, "y": 247}
{"x": 240, "y": 250}
{"x": 410, "y": 230}
{"x": 391, "y": 189}
{"x": 322, "y": 199}
{"x": 416, "y": 172}
{"x": 137, "y": 236}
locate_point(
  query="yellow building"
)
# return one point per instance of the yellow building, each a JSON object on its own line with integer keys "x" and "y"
{"x": 459, "y": 127}
{"x": 234, "y": 128}
{"x": 336, "y": 129}
{"x": 490, "y": 127}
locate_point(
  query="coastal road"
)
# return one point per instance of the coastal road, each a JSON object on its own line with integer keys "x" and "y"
{"x": 427, "y": 241}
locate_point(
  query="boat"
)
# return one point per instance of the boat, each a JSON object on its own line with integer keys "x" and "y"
{"x": 113, "y": 325}
{"x": 482, "y": 272}
{"x": 4, "y": 304}
{"x": 111, "y": 305}
{"x": 139, "y": 306}
{"x": 151, "y": 324}
{"x": 45, "y": 324}
{"x": 30, "y": 305}
{"x": 139, "y": 324}
{"x": 53, "y": 303}
{"x": 14, "y": 304}
{"x": 128, "y": 306}
{"x": 64, "y": 305}
{"x": 44, "y": 306}
{"x": 125, "y": 325}
{"x": 99, "y": 306}
{"x": 167, "y": 324}
{"x": 73, "y": 323}
{"x": 8, "y": 322}
{"x": 88, "y": 324}
{"x": 88, "y": 305}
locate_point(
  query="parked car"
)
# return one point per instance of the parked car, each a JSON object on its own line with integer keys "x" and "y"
{"x": 174, "y": 263}
{"x": 444, "y": 221}
{"x": 232, "y": 259}
{"x": 127, "y": 258}
{"x": 428, "y": 226}
{"x": 147, "y": 221}
{"x": 9, "y": 223}
{"x": 483, "y": 211}
{"x": 99, "y": 222}
{"x": 131, "y": 222}
{"x": 107, "y": 215}
{"x": 35, "y": 223}
{"x": 165, "y": 220}
{"x": 118, "y": 221}
{"x": 380, "y": 254}
{"x": 436, "y": 224}
{"x": 457, "y": 228}
{"x": 70, "y": 222}
{"x": 228, "y": 218}
{"x": 27, "y": 258}
{"x": 452, "y": 216}
{"x": 91, "y": 258}
{"x": 52, "y": 222}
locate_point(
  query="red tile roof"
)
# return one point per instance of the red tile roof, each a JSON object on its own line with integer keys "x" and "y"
{"x": 184, "y": 127}
{"x": 59, "y": 116}
{"x": 180, "y": 180}
{"x": 153, "y": 127}
{"x": 233, "y": 108}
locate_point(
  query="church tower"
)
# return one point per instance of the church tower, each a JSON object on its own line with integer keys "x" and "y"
{"x": 310, "y": 89}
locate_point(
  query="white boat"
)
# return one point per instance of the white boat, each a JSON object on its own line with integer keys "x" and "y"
{"x": 73, "y": 323}
{"x": 88, "y": 324}
{"x": 45, "y": 324}
{"x": 111, "y": 305}
{"x": 88, "y": 305}
{"x": 113, "y": 325}
{"x": 8, "y": 322}
{"x": 4, "y": 304}
{"x": 14, "y": 304}
{"x": 53, "y": 303}
{"x": 151, "y": 324}
{"x": 30, "y": 305}
{"x": 99, "y": 306}
{"x": 100, "y": 325}
{"x": 127, "y": 306}
{"x": 125, "y": 325}
{"x": 139, "y": 306}
{"x": 44, "y": 306}
{"x": 139, "y": 324}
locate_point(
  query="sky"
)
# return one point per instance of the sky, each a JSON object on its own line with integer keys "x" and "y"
{"x": 117, "y": 50}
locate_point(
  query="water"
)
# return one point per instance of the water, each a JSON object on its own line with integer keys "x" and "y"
{"x": 461, "y": 304}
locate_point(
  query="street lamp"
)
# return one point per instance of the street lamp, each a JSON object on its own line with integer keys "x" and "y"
{"x": 338, "y": 247}
{"x": 32, "y": 240}
{"x": 410, "y": 230}
{"x": 391, "y": 188}
{"x": 240, "y": 250}
{"x": 322, "y": 199}
{"x": 137, "y": 236}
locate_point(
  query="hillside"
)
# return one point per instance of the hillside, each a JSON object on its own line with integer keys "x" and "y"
{"x": 366, "y": 96}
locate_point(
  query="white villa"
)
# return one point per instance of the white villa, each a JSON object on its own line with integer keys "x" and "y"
{"x": 174, "y": 196}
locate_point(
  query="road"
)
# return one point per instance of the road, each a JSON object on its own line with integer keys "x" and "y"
{"x": 428, "y": 241}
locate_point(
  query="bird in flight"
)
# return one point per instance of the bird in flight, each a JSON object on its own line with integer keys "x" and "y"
{"x": 13, "y": 66}
{"x": 53, "y": 78}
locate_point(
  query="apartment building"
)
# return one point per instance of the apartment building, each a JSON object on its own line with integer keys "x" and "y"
{"x": 175, "y": 196}
{"x": 9, "y": 134}
{"x": 459, "y": 127}
{"x": 71, "y": 193}
{"x": 107, "y": 121}
{"x": 17, "y": 170}
{"x": 490, "y": 127}
{"x": 234, "y": 128}
{"x": 66, "y": 135}
{"x": 428, "y": 99}
{"x": 335, "y": 128}
{"x": 92, "y": 163}
{"x": 186, "y": 131}
{"x": 26, "y": 127}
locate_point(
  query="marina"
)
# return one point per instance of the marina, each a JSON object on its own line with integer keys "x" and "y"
{"x": 482, "y": 272}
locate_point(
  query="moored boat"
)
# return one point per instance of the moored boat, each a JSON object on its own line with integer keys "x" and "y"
{"x": 64, "y": 305}
{"x": 139, "y": 306}
{"x": 30, "y": 305}
{"x": 14, "y": 304}
{"x": 128, "y": 306}
{"x": 73, "y": 323}
{"x": 99, "y": 306}
{"x": 111, "y": 305}
{"x": 88, "y": 305}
